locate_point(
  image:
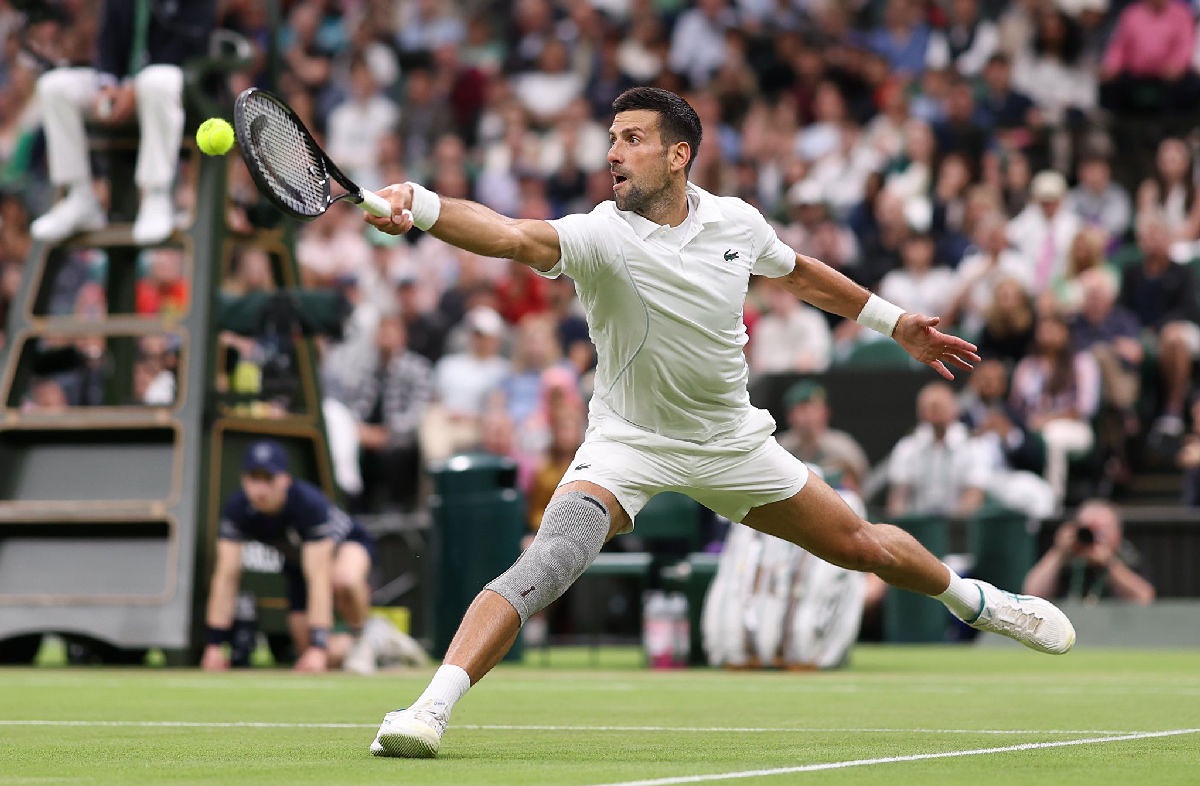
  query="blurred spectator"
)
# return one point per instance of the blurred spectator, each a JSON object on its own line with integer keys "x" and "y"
{"x": 1087, "y": 253}
{"x": 967, "y": 41}
{"x": 574, "y": 338}
{"x": 1162, "y": 295}
{"x": 358, "y": 123}
{"x": 937, "y": 469}
{"x": 535, "y": 349}
{"x": 425, "y": 328}
{"x": 558, "y": 401}
{"x": 1188, "y": 458}
{"x": 1090, "y": 559}
{"x": 1148, "y": 64}
{"x": 546, "y": 91}
{"x": 791, "y": 336}
{"x": 1056, "y": 392}
{"x": 960, "y": 130}
{"x": 334, "y": 247}
{"x": 463, "y": 381}
{"x": 425, "y": 25}
{"x": 1008, "y": 113}
{"x": 1052, "y": 71}
{"x": 138, "y": 70}
{"x": 978, "y": 277}
{"x": 813, "y": 229}
{"x": 990, "y": 415}
{"x": 918, "y": 285}
{"x": 1171, "y": 191}
{"x": 566, "y": 435}
{"x": 698, "y": 40}
{"x": 902, "y": 38}
{"x": 1044, "y": 229}
{"x": 46, "y": 395}
{"x": 389, "y": 402}
{"x": 1098, "y": 200}
{"x": 808, "y": 437}
{"x": 164, "y": 288}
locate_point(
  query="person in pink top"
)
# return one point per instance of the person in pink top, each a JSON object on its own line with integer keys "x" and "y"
{"x": 1148, "y": 63}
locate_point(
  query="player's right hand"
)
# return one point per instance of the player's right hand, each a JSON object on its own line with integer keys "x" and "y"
{"x": 214, "y": 658}
{"x": 400, "y": 196}
{"x": 314, "y": 660}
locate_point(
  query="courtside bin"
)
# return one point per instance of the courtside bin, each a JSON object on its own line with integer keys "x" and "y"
{"x": 1003, "y": 546}
{"x": 478, "y": 520}
{"x": 909, "y": 617}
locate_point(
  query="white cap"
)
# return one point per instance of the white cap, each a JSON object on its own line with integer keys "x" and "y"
{"x": 1047, "y": 186}
{"x": 1077, "y": 7}
{"x": 486, "y": 320}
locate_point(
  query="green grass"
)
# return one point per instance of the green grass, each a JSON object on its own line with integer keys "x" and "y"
{"x": 621, "y": 723}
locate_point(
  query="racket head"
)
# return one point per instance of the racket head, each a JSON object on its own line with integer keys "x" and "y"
{"x": 285, "y": 161}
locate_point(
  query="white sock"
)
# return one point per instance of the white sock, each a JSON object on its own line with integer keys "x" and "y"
{"x": 961, "y": 597}
{"x": 448, "y": 685}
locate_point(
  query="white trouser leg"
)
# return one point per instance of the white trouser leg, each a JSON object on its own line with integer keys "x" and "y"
{"x": 159, "y": 90}
{"x": 1063, "y": 438}
{"x": 64, "y": 95}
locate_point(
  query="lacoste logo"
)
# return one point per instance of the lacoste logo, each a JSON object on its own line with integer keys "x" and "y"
{"x": 582, "y": 466}
{"x": 526, "y": 592}
{"x": 730, "y": 255}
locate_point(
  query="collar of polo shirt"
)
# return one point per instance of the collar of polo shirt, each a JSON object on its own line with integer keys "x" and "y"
{"x": 700, "y": 204}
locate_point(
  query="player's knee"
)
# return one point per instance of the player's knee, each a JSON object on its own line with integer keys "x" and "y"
{"x": 573, "y": 529}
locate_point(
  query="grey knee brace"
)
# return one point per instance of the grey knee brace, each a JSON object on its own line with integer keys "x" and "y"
{"x": 573, "y": 529}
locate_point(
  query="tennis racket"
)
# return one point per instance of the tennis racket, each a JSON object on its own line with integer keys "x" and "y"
{"x": 287, "y": 164}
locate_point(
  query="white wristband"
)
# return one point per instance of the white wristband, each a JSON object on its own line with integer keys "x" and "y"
{"x": 426, "y": 206}
{"x": 880, "y": 315}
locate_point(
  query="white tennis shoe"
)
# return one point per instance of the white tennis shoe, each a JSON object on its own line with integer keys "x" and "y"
{"x": 1036, "y": 623}
{"x": 413, "y": 733}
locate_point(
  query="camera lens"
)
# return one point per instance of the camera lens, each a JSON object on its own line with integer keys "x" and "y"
{"x": 1085, "y": 535}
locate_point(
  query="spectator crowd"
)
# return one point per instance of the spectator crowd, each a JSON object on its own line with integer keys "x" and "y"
{"x": 1025, "y": 169}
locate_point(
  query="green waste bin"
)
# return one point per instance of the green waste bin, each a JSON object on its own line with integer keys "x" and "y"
{"x": 1003, "y": 546}
{"x": 909, "y": 617}
{"x": 478, "y": 522}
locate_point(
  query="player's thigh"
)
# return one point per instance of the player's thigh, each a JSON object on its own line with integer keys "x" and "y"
{"x": 817, "y": 519}
{"x": 351, "y": 564}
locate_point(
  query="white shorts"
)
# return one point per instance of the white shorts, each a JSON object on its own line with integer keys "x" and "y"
{"x": 730, "y": 475}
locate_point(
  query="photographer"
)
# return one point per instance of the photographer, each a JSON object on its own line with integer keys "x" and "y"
{"x": 1090, "y": 560}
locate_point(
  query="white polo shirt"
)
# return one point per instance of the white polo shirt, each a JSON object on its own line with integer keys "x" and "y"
{"x": 664, "y": 306}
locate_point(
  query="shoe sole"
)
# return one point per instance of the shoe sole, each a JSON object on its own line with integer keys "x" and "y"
{"x": 407, "y": 746}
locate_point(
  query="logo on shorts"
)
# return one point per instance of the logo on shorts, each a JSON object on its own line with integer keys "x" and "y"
{"x": 730, "y": 255}
{"x": 582, "y": 466}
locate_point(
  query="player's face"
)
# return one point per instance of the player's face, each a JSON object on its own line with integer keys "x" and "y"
{"x": 266, "y": 492}
{"x": 638, "y": 160}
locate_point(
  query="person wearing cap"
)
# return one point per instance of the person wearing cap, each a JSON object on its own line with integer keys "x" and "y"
{"x": 1043, "y": 231}
{"x": 327, "y": 559}
{"x": 808, "y": 437}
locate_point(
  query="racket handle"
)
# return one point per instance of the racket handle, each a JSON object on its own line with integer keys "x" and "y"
{"x": 374, "y": 204}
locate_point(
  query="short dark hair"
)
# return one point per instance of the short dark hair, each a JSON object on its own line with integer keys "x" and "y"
{"x": 677, "y": 122}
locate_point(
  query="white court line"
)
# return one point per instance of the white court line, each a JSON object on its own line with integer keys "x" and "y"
{"x": 838, "y": 765}
{"x": 508, "y": 727}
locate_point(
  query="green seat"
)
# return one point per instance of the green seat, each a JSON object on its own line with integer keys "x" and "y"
{"x": 879, "y": 354}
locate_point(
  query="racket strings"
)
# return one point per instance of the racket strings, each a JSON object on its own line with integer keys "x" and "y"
{"x": 293, "y": 171}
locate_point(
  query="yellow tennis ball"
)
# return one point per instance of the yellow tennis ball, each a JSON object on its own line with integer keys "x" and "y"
{"x": 214, "y": 136}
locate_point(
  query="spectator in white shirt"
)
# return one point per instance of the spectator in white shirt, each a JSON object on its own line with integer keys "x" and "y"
{"x": 1043, "y": 231}
{"x": 967, "y": 41}
{"x": 358, "y": 124}
{"x": 918, "y": 285}
{"x": 791, "y": 336}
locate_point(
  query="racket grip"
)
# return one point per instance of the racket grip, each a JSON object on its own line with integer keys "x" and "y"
{"x": 375, "y": 204}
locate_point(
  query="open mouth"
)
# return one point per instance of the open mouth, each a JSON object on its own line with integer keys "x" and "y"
{"x": 618, "y": 179}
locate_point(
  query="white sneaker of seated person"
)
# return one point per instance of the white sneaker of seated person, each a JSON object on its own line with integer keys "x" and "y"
{"x": 155, "y": 219}
{"x": 78, "y": 211}
{"x": 412, "y": 733}
{"x": 1033, "y": 621}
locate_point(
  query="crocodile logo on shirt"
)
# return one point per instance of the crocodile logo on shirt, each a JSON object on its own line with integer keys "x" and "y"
{"x": 730, "y": 255}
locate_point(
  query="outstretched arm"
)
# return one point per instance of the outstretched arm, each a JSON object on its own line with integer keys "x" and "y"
{"x": 470, "y": 226}
{"x": 814, "y": 282}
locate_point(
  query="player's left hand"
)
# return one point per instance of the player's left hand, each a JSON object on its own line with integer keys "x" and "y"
{"x": 314, "y": 660}
{"x": 919, "y": 336}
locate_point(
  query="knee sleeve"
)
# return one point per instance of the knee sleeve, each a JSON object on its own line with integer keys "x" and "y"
{"x": 573, "y": 529}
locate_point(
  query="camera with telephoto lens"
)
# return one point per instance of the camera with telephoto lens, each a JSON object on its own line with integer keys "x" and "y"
{"x": 1084, "y": 535}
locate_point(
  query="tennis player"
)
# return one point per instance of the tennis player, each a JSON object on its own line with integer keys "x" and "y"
{"x": 662, "y": 272}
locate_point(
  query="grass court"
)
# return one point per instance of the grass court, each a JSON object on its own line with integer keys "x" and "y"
{"x": 913, "y": 715}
